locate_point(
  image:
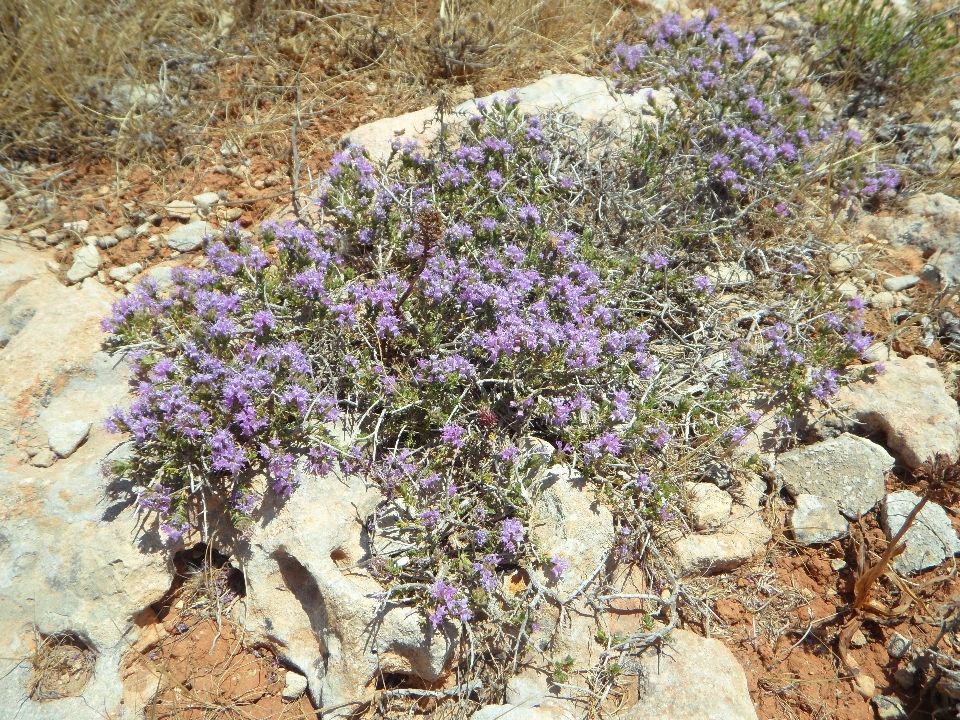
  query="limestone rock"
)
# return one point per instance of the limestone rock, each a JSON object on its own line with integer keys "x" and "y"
{"x": 6, "y": 219}
{"x": 708, "y": 505}
{"x": 569, "y": 522}
{"x": 692, "y": 678}
{"x": 930, "y": 540}
{"x": 190, "y": 236}
{"x": 815, "y": 520}
{"x": 79, "y": 227}
{"x": 205, "y": 201}
{"x": 179, "y": 209}
{"x": 44, "y": 459}
{"x": 328, "y": 621}
{"x": 588, "y": 97}
{"x": 86, "y": 262}
{"x": 513, "y": 712}
{"x": 883, "y": 300}
{"x": 294, "y": 686}
{"x": 931, "y": 223}
{"x": 898, "y": 284}
{"x": 847, "y": 469}
{"x": 107, "y": 241}
{"x": 69, "y": 561}
{"x": 65, "y": 438}
{"x": 910, "y": 405}
{"x": 729, "y": 274}
{"x": 742, "y": 536}
{"x": 126, "y": 273}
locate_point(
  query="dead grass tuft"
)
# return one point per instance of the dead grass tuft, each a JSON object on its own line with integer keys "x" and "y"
{"x": 128, "y": 80}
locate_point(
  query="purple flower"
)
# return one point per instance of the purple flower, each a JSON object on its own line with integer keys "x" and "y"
{"x": 658, "y": 261}
{"x": 452, "y": 435}
{"x": 529, "y": 214}
{"x": 430, "y": 518}
{"x": 558, "y": 566}
{"x": 703, "y": 284}
{"x": 511, "y": 533}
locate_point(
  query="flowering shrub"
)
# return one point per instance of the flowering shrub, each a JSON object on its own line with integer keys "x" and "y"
{"x": 738, "y": 139}
{"x": 446, "y": 309}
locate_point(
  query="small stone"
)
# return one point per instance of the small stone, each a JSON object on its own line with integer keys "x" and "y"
{"x": 179, "y": 209}
{"x": 905, "y": 677}
{"x": 709, "y": 506}
{"x": 931, "y": 538}
{"x": 878, "y": 352}
{"x": 883, "y": 301}
{"x": 729, "y": 274}
{"x": 6, "y": 218}
{"x": 232, "y": 214}
{"x": 888, "y": 707}
{"x": 848, "y": 469}
{"x": 847, "y": 290}
{"x": 815, "y": 520}
{"x": 38, "y": 234}
{"x": 206, "y": 200}
{"x": 294, "y": 686}
{"x": 838, "y": 564}
{"x": 79, "y": 227}
{"x": 44, "y": 459}
{"x": 858, "y": 639}
{"x": 65, "y": 438}
{"x": 126, "y": 273}
{"x": 189, "y": 237}
{"x": 142, "y": 229}
{"x": 86, "y": 262}
{"x": 865, "y": 685}
{"x": 107, "y": 241}
{"x": 898, "y": 645}
{"x": 904, "y": 282}
{"x": 122, "y": 233}
{"x": 843, "y": 261}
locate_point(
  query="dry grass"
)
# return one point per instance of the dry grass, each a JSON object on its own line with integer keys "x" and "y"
{"x": 126, "y": 79}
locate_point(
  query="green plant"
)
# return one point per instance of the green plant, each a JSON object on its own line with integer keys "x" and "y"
{"x": 875, "y": 48}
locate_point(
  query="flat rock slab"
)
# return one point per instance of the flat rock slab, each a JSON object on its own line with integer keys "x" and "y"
{"x": 930, "y": 540}
{"x": 910, "y": 405}
{"x": 591, "y": 98}
{"x": 848, "y": 469}
{"x": 86, "y": 262}
{"x": 742, "y": 537}
{"x": 815, "y": 520}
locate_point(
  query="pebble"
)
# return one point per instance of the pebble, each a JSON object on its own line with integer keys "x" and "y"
{"x": 86, "y": 262}
{"x": 905, "y": 677}
{"x": 898, "y": 645}
{"x": 44, "y": 459}
{"x": 878, "y": 352}
{"x": 844, "y": 261}
{"x": 142, "y": 229}
{"x": 883, "y": 300}
{"x": 865, "y": 685}
{"x": 38, "y": 234}
{"x": 126, "y": 273}
{"x": 179, "y": 209}
{"x": 189, "y": 237}
{"x": 6, "y": 218}
{"x": 206, "y": 200}
{"x": 847, "y": 290}
{"x": 858, "y": 640}
{"x": 888, "y": 707}
{"x": 107, "y": 241}
{"x": 65, "y": 438}
{"x": 79, "y": 227}
{"x": 232, "y": 214}
{"x": 122, "y": 233}
{"x": 293, "y": 687}
{"x": 904, "y": 282}
{"x": 838, "y": 564}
